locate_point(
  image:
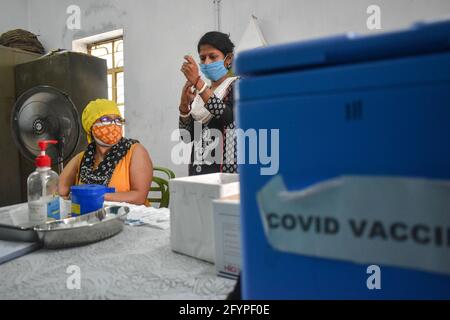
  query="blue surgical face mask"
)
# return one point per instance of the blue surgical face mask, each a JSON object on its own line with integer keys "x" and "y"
{"x": 214, "y": 71}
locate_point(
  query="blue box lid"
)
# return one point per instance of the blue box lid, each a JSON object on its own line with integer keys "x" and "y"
{"x": 91, "y": 190}
{"x": 421, "y": 38}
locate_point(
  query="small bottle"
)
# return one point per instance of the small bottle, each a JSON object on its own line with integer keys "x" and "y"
{"x": 43, "y": 197}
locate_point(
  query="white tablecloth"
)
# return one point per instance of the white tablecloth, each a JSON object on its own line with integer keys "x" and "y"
{"x": 135, "y": 264}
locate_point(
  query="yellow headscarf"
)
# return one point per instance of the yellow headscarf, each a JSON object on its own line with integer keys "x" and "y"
{"x": 97, "y": 109}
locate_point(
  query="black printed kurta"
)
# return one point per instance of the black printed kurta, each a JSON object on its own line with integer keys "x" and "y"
{"x": 222, "y": 120}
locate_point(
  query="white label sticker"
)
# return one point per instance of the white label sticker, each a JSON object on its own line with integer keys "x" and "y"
{"x": 38, "y": 212}
{"x": 401, "y": 222}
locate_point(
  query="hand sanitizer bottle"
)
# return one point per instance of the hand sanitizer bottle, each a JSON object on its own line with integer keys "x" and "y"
{"x": 43, "y": 197}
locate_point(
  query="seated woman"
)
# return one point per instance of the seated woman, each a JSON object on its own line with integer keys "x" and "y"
{"x": 110, "y": 159}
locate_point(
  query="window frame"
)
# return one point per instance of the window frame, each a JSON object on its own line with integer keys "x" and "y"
{"x": 114, "y": 70}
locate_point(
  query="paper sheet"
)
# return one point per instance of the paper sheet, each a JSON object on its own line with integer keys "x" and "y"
{"x": 394, "y": 221}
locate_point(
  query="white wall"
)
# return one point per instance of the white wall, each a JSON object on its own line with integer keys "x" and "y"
{"x": 13, "y": 15}
{"x": 290, "y": 20}
{"x": 159, "y": 32}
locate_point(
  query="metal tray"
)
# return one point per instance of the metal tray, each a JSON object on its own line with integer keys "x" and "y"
{"x": 18, "y": 233}
{"x": 16, "y": 230}
{"x": 85, "y": 229}
{"x": 71, "y": 232}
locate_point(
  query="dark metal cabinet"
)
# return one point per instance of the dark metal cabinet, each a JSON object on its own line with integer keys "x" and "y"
{"x": 80, "y": 76}
{"x": 10, "y": 183}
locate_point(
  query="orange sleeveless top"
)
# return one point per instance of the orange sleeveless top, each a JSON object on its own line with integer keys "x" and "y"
{"x": 120, "y": 179}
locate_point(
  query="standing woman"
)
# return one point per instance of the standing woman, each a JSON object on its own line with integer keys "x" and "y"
{"x": 210, "y": 107}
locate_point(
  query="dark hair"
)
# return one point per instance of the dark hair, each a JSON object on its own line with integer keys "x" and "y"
{"x": 218, "y": 40}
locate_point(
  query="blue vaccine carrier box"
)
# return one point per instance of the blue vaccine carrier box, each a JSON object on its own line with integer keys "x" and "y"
{"x": 374, "y": 105}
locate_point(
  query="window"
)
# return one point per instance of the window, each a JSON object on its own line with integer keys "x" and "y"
{"x": 112, "y": 51}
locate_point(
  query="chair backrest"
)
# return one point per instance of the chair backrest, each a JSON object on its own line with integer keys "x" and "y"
{"x": 162, "y": 186}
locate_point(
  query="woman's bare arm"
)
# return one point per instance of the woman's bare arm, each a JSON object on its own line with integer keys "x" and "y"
{"x": 68, "y": 176}
{"x": 141, "y": 174}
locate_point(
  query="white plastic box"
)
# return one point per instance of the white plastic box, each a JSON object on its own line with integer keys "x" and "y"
{"x": 191, "y": 212}
{"x": 227, "y": 236}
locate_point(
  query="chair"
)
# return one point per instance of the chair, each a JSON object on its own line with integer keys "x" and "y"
{"x": 162, "y": 186}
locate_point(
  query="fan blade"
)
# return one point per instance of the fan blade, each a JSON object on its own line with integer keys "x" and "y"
{"x": 45, "y": 113}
